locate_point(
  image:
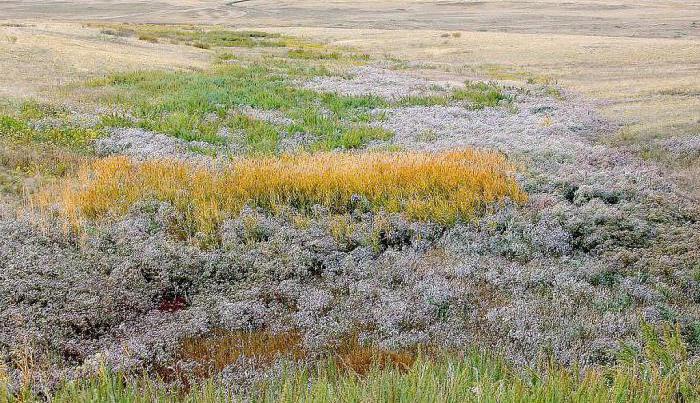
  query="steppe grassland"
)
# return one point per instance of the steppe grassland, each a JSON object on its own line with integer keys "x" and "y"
{"x": 441, "y": 188}
{"x": 658, "y": 377}
{"x": 195, "y": 105}
{"x": 629, "y": 57}
{"x": 62, "y": 119}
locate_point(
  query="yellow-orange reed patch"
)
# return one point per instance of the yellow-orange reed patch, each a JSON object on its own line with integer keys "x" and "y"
{"x": 440, "y": 187}
{"x": 359, "y": 358}
{"x": 221, "y": 348}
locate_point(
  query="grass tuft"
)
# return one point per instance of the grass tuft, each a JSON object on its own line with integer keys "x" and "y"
{"x": 354, "y": 138}
{"x": 478, "y": 95}
{"x": 148, "y": 38}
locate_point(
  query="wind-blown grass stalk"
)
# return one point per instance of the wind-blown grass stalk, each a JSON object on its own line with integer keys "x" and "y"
{"x": 442, "y": 188}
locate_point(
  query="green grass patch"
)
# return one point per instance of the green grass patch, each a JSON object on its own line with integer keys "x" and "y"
{"x": 31, "y": 110}
{"x": 116, "y": 120}
{"x": 203, "y": 38}
{"x": 260, "y": 137}
{"x": 320, "y": 53}
{"x": 308, "y": 54}
{"x": 477, "y": 95}
{"x": 72, "y": 137}
{"x": 355, "y": 108}
{"x": 206, "y": 151}
{"x": 183, "y": 125}
{"x": 223, "y": 38}
{"x": 11, "y": 127}
{"x": 480, "y": 95}
{"x": 77, "y": 138}
{"x": 182, "y": 104}
{"x": 21, "y": 124}
{"x": 354, "y": 138}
